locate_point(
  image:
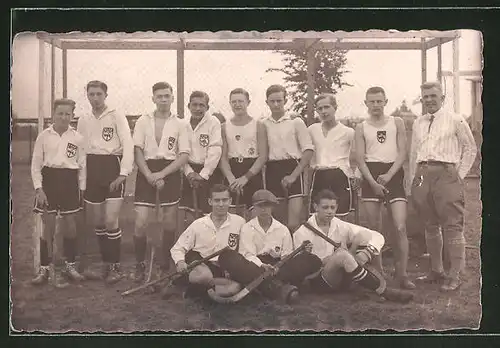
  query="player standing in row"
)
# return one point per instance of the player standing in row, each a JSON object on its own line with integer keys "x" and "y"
{"x": 201, "y": 171}
{"x": 290, "y": 151}
{"x": 244, "y": 151}
{"x": 58, "y": 173}
{"x": 110, "y": 159}
{"x": 333, "y": 143}
{"x": 381, "y": 151}
{"x": 161, "y": 150}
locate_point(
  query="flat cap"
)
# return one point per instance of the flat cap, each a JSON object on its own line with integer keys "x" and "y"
{"x": 264, "y": 196}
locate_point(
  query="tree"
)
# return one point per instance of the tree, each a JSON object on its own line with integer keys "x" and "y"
{"x": 329, "y": 74}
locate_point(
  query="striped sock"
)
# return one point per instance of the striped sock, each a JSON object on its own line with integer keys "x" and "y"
{"x": 114, "y": 243}
{"x": 364, "y": 278}
{"x": 102, "y": 238}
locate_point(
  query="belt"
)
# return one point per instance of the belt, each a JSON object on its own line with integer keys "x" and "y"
{"x": 241, "y": 159}
{"x": 435, "y": 163}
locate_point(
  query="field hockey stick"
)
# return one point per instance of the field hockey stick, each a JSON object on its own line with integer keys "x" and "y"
{"x": 195, "y": 203}
{"x": 174, "y": 273}
{"x": 257, "y": 281}
{"x": 355, "y": 204}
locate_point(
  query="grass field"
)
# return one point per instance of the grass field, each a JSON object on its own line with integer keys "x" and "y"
{"x": 94, "y": 307}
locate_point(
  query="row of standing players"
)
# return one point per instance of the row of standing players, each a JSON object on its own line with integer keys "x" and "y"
{"x": 176, "y": 157}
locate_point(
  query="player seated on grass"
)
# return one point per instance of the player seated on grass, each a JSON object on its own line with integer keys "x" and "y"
{"x": 264, "y": 241}
{"x": 58, "y": 173}
{"x": 338, "y": 267}
{"x": 205, "y": 236}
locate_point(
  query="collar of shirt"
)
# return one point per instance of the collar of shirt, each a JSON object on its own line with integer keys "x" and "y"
{"x": 275, "y": 224}
{"x": 202, "y": 121}
{"x": 283, "y": 118}
{"x": 152, "y": 115}
{"x": 52, "y": 130}
{"x": 207, "y": 221}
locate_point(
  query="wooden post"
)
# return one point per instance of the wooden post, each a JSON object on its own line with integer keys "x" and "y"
{"x": 52, "y": 72}
{"x": 41, "y": 80}
{"x": 439, "y": 62}
{"x": 65, "y": 72}
{"x": 311, "y": 72}
{"x": 180, "y": 80}
{"x": 423, "y": 51}
{"x": 456, "y": 76}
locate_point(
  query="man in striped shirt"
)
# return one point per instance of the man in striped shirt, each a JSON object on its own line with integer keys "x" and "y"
{"x": 442, "y": 152}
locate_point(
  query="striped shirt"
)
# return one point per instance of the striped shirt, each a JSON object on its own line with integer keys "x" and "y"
{"x": 287, "y": 138}
{"x": 108, "y": 134}
{"x": 447, "y": 139}
{"x": 174, "y": 138}
{"x": 58, "y": 151}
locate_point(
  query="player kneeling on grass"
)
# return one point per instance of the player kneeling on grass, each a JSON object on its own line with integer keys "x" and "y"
{"x": 349, "y": 260}
{"x": 205, "y": 236}
{"x": 58, "y": 172}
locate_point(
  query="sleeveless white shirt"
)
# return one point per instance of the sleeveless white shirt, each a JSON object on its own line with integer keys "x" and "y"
{"x": 242, "y": 140}
{"x": 381, "y": 142}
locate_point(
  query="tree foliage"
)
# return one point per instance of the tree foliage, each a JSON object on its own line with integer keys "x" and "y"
{"x": 329, "y": 74}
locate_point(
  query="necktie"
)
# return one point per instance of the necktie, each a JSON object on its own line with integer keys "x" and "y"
{"x": 431, "y": 119}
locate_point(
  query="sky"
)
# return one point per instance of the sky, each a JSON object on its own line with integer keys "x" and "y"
{"x": 130, "y": 75}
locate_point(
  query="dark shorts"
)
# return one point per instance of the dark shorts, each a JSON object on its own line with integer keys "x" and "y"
{"x": 336, "y": 181}
{"x": 191, "y": 256}
{"x": 202, "y": 193}
{"x": 395, "y": 186}
{"x": 62, "y": 190}
{"x": 145, "y": 194}
{"x": 276, "y": 171}
{"x": 102, "y": 170}
{"x": 239, "y": 168}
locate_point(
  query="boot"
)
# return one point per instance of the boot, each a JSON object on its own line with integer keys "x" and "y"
{"x": 276, "y": 289}
{"x": 432, "y": 277}
{"x": 42, "y": 276}
{"x": 451, "y": 285}
{"x": 405, "y": 283}
{"x": 115, "y": 274}
{"x": 139, "y": 272}
{"x": 58, "y": 280}
{"x": 71, "y": 272}
{"x": 397, "y": 295}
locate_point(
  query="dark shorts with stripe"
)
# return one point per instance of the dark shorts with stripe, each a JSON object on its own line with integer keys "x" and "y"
{"x": 335, "y": 180}
{"x": 62, "y": 190}
{"x": 202, "y": 192}
{"x": 395, "y": 185}
{"x": 276, "y": 171}
{"x": 102, "y": 170}
{"x": 192, "y": 256}
{"x": 240, "y": 168}
{"x": 145, "y": 193}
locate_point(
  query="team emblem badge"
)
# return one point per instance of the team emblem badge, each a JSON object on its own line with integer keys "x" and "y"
{"x": 204, "y": 140}
{"x": 171, "y": 142}
{"x": 251, "y": 151}
{"x": 238, "y": 137}
{"x": 107, "y": 133}
{"x": 71, "y": 150}
{"x": 277, "y": 249}
{"x": 381, "y": 136}
{"x": 233, "y": 240}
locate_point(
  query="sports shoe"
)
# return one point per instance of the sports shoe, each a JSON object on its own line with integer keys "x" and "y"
{"x": 58, "y": 280}
{"x": 397, "y": 295}
{"x": 451, "y": 285}
{"x": 405, "y": 283}
{"x": 139, "y": 272}
{"x": 42, "y": 276}
{"x": 115, "y": 274}
{"x": 432, "y": 277}
{"x": 71, "y": 272}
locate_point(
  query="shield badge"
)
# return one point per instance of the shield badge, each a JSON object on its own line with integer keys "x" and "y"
{"x": 71, "y": 150}
{"x": 107, "y": 133}
{"x": 171, "y": 143}
{"x": 232, "y": 241}
{"x": 238, "y": 137}
{"x": 251, "y": 151}
{"x": 204, "y": 140}
{"x": 381, "y": 136}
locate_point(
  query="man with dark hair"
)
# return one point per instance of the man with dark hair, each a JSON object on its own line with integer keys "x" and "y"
{"x": 110, "y": 159}
{"x": 201, "y": 172}
{"x": 290, "y": 151}
{"x": 346, "y": 262}
{"x": 161, "y": 149}
{"x": 244, "y": 151}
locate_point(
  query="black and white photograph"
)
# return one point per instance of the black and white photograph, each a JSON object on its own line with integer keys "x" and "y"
{"x": 246, "y": 181}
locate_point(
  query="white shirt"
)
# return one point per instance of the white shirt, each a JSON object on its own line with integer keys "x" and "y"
{"x": 242, "y": 140}
{"x": 276, "y": 242}
{"x": 58, "y": 151}
{"x": 341, "y": 232}
{"x": 334, "y": 149}
{"x": 109, "y": 134}
{"x": 288, "y": 138}
{"x": 202, "y": 236}
{"x": 206, "y": 145}
{"x": 381, "y": 142}
{"x": 174, "y": 138}
{"x": 449, "y": 139}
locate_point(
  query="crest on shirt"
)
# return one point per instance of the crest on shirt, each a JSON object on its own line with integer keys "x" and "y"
{"x": 204, "y": 140}
{"x": 71, "y": 150}
{"x": 107, "y": 133}
{"x": 251, "y": 151}
{"x": 232, "y": 241}
{"x": 381, "y": 136}
{"x": 171, "y": 143}
{"x": 237, "y": 137}
{"x": 277, "y": 249}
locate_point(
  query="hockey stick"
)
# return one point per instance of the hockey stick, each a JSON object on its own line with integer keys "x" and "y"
{"x": 256, "y": 282}
{"x": 195, "y": 203}
{"x": 174, "y": 273}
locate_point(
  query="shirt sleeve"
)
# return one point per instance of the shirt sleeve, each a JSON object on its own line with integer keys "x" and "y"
{"x": 37, "y": 162}
{"x": 214, "y": 150}
{"x": 247, "y": 246}
{"x": 287, "y": 243}
{"x": 305, "y": 141}
{"x": 467, "y": 145}
{"x": 184, "y": 139}
{"x": 299, "y": 237}
{"x": 123, "y": 129}
{"x": 139, "y": 137}
{"x": 82, "y": 165}
{"x": 183, "y": 245}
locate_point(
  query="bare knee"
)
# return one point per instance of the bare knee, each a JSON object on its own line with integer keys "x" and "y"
{"x": 201, "y": 275}
{"x": 141, "y": 221}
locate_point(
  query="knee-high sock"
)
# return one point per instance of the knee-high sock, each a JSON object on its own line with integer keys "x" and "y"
{"x": 140, "y": 244}
{"x": 434, "y": 242}
{"x": 102, "y": 239}
{"x": 45, "y": 259}
{"x": 456, "y": 252}
{"x": 366, "y": 279}
{"x": 69, "y": 246}
{"x": 114, "y": 242}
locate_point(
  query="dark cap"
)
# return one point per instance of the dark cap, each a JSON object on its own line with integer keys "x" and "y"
{"x": 264, "y": 196}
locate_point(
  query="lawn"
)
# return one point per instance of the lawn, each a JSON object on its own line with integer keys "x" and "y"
{"x": 94, "y": 307}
